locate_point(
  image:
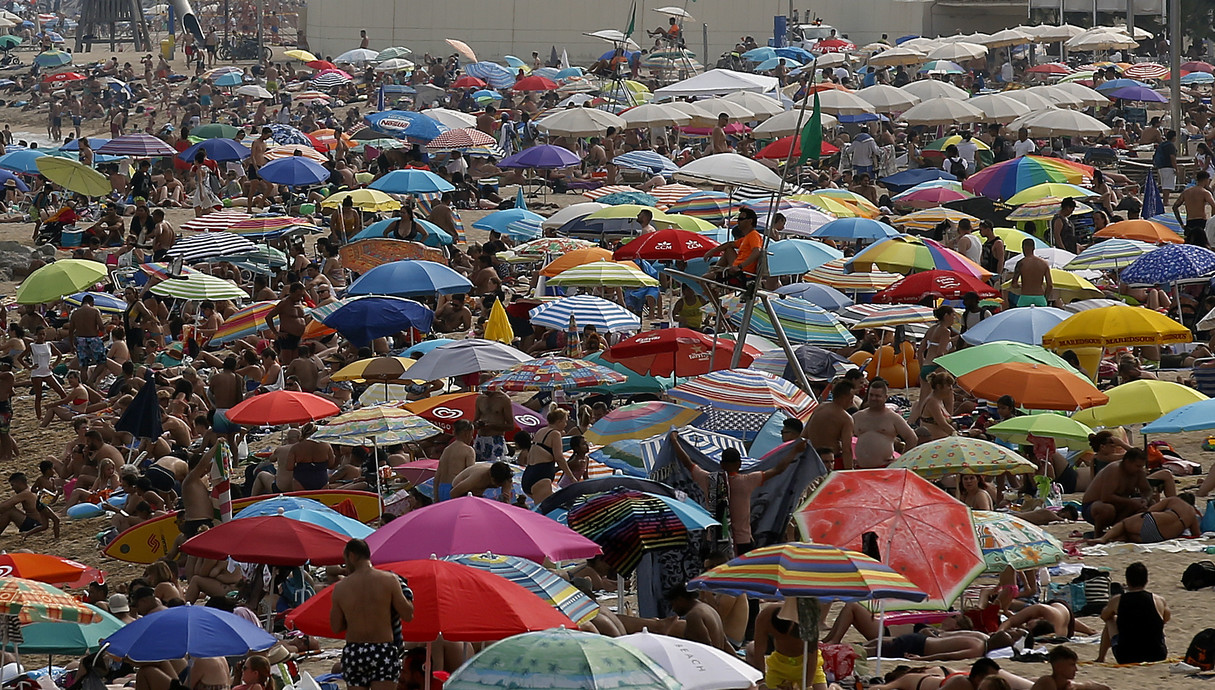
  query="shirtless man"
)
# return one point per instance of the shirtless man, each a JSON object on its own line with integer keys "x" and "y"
{"x": 163, "y": 235}
{"x": 829, "y": 429}
{"x": 453, "y": 315}
{"x": 309, "y": 462}
{"x": 257, "y": 158}
{"x": 457, "y": 457}
{"x": 290, "y": 329}
{"x": 283, "y": 478}
{"x": 85, "y": 328}
{"x": 701, "y": 623}
{"x": 485, "y": 279}
{"x": 441, "y": 215}
{"x": 226, "y": 389}
{"x": 720, "y": 143}
{"x": 368, "y": 605}
{"x": 1119, "y": 491}
{"x": 306, "y": 368}
{"x": 1031, "y": 278}
{"x": 474, "y": 480}
{"x": 8, "y": 445}
{"x": 197, "y": 506}
{"x": 1196, "y": 199}
{"x": 23, "y": 509}
{"x": 494, "y": 419}
{"x": 1063, "y": 662}
{"x": 877, "y": 427}
{"x": 1167, "y": 519}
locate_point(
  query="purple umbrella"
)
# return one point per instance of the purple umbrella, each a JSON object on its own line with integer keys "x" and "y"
{"x": 1136, "y": 93}
{"x": 541, "y": 157}
{"x": 5, "y": 176}
{"x": 136, "y": 145}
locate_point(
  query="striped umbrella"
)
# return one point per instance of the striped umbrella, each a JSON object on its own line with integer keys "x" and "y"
{"x": 1041, "y": 209}
{"x": 330, "y": 79}
{"x": 312, "y": 96}
{"x": 1003, "y": 180}
{"x": 714, "y": 207}
{"x": 385, "y": 424}
{"x": 551, "y": 246}
{"x": 245, "y": 322}
{"x": 1109, "y": 255}
{"x": 538, "y": 580}
{"x": 35, "y": 602}
{"x": 626, "y": 523}
{"x": 648, "y": 161}
{"x": 876, "y": 316}
{"x": 220, "y": 220}
{"x": 205, "y": 246}
{"x": 270, "y": 226}
{"x": 909, "y": 253}
{"x": 139, "y": 145}
{"x": 491, "y": 73}
{"x": 553, "y": 373}
{"x": 589, "y": 311}
{"x": 161, "y": 269}
{"x": 1146, "y": 70}
{"x": 460, "y": 139}
{"x": 1007, "y": 540}
{"x": 642, "y": 420}
{"x": 834, "y": 274}
{"x": 289, "y": 151}
{"x": 710, "y": 444}
{"x": 803, "y": 221}
{"x": 604, "y": 274}
{"x": 198, "y": 286}
{"x": 801, "y": 569}
{"x": 668, "y": 194}
{"x": 600, "y": 192}
{"x": 929, "y": 218}
{"x": 744, "y": 391}
{"x": 803, "y": 323}
{"x": 962, "y": 455}
{"x": 263, "y": 257}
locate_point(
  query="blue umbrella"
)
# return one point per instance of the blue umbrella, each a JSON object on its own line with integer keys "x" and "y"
{"x": 1016, "y": 325}
{"x": 628, "y": 54}
{"x": 425, "y": 346}
{"x": 491, "y": 73}
{"x": 773, "y": 63}
{"x": 862, "y": 117}
{"x": 799, "y": 54}
{"x": 142, "y": 417}
{"x": 1169, "y": 264}
{"x": 104, "y": 301}
{"x": 22, "y": 161}
{"x": 1198, "y": 78}
{"x": 187, "y": 631}
{"x": 907, "y": 179}
{"x": 854, "y": 229}
{"x": 5, "y": 176}
{"x": 1136, "y": 93}
{"x": 525, "y": 229}
{"x": 229, "y": 79}
{"x": 403, "y": 123}
{"x": 435, "y": 235}
{"x": 543, "y": 157}
{"x": 486, "y": 95}
{"x": 499, "y": 221}
{"x": 1107, "y": 86}
{"x": 625, "y": 198}
{"x": 759, "y": 54}
{"x": 217, "y": 150}
{"x": 53, "y": 58}
{"x": 412, "y": 182}
{"x": 364, "y": 319}
{"x": 293, "y": 171}
{"x": 823, "y": 296}
{"x": 1196, "y": 416}
{"x": 325, "y": 517}
{"x": 271, "y": 506}
{"x": 404, "y": 278}
{"x": 796, "y": 256}
{"x": 647, "y": 161}
{"x": 566, "y": 73}
{"x": 94, "y": 143}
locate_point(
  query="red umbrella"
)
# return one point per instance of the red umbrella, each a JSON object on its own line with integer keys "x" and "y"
{"x": 922, "y": 532}
{"x": 941, "y": 284}
{"x": 668, "y": 244}
{"x": 834, "y": 45}
{"x": 63, "y": 76}
{"x": 678, "y": 351}
{"x": 269, "y": 539}
{"x": 461, "y": 603}
{"x": 321, "y": 65}
{"x": 535, "y": 83}
{"x": 468, "y": 82}
{"x": 281, "y": 407}
{"x": 1198, "y": 66}
{"x": 779, "y": 149}
{"x": 46, "y": 568}
{"x": 1050, "y": 68}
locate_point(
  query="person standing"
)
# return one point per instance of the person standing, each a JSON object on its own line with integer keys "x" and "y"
{"x": 368, "y": 605}
{"x": 1196, "y": 199}
{"x": 1031, "y": 278}
{"x": 1023, "y": 146}
{"x": 1165, "y": 163}
{"x": 457, "y": 457}
{"x": 290, "y": 328}
{"x": 1062, "y": 229}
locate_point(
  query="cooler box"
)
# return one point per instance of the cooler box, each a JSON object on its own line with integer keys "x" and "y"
{"x": 72, "y": 237}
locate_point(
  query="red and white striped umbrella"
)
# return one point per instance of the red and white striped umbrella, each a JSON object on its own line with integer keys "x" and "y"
{"x": 312, "y": 96}
{"x": 458, "y": 139}
{"x": 594, "y": 194}
{"x": 1146, "y": 70}
{"x": 290, "y": 149}
{"x": 668, "y": 194}
{"x": 214, "y": 222}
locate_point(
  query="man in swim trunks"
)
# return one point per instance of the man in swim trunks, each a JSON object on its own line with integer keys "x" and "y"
{"x": 457, "y": 457}
{"x": 85, "y": 328}
{"x": 1119, "y": 491}
{"x": 481, "y": 477}
{"x": 198, "y": 508}
{"x": 289, "y": 331}
{"x": 226, "y": 391}
{"x": 8, "y": 445}
{"x": 310, "y": 461}
{"x": 366, "y": 605}
{"x": 23, "y": 509}
{"x": 877, "y": 427}
{"x": 1031, "y": 278}
{"x": 257, "y": 158}
{"x": 494, "y": 419}
{"x": 829, "y": 429}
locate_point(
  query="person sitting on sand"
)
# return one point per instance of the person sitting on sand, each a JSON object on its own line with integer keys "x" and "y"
{"x": 782, "y": 662}
{"x": 1134, "y": 622}
{"x": 1063, "y": 662}
{"x": 1173, "y": 517}
{"x": 1118, "y": 491}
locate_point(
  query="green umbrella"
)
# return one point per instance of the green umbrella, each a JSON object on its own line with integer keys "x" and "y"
{"x": 64, "y": 277}
{"x": 1000, "y": 352}
{"x": 1049, "y": 425}
{"x": 393, "y": 53}
{"x": 9, "y": 42}
{"x": 61, "y": 637}
{"x": 634, "y": 384}
{"x": 215, "y": 130}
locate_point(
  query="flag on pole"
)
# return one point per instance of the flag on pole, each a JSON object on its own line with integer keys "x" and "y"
{"x": 812, "y": 135}
{"x": 632, "y": 20}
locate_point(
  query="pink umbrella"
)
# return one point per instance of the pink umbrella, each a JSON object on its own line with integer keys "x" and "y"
{"x": 931, "y": 197}
{"x": 417, "y": 471}
{"x": 477, "y": 525}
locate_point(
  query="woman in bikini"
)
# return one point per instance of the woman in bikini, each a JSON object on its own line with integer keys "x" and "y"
{"x": 973, "y": 491}
{"x": 75, "y": 401}
{"x": 1044, "y": 620}
{"x": 934, "y": 409}
{"x": 1168, "y": 519}
{"x": 545, "y": 457}
{"x": 160, "y": 577}
{"x": 938, "y": 340}
{"x": 779, "y": 647}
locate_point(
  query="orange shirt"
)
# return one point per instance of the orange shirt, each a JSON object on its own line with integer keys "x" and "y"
{"x": 749, "y": 243}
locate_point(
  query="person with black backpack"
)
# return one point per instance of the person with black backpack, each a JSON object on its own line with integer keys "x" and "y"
{"x": 954, "y": 163}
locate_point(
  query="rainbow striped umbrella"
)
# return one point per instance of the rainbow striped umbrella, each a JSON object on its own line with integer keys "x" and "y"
{"x": 1041, "y": 209}
{"x": 36, "y": 602}
{"x": 801, "y": 569}
{"x": 627, "y": 523}
{"x": 909, "y": 253}
{"x": 538, "y": 580}
{"x": 804, "y": 323}
{"x": 642, "y": 420}
{"x": 1003, "y": 180}
{"x": 929, "y": 218}
{"x": 212, "y": 222}
{"x": 553, "y": 373}
{"x": 876, "y": 315}
{"x": 743, "y": 391}
{"x": 834, "y": 274}
{"x": 714, "y": 207}
{"x": 244, "y": 322}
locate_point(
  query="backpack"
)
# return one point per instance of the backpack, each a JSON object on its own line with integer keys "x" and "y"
{"x": 1198, "y": 575}
{"x": 1201, "y": 652}
{"x": 957, "y": 168}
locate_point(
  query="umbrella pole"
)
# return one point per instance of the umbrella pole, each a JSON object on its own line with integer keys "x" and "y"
{"x": 619, "y": 593}
{"x": 426, "y": 672}
{"x": 881, "y": 634}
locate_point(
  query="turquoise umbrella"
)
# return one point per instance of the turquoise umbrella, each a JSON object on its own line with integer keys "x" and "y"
{"x": 61, "y": 637}
{"x": 327, "y": 517}
{"x": 634, "y": 384}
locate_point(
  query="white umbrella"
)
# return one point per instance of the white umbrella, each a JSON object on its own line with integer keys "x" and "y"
{"x": 803, "y": 221}
{"x": 673, "y": 12}
{"x": 763, "y": 106}
{"x": 357, "y": 56}
{"x": 254, "y": 91}
{"x": 694, "y": 665}
{"x": 688, "y": 109}
{"x": 839, "y": 102}
{"x": 394, "y": 65}
{"x": 580, "y": 122}
{"x": 654, "y": 115}
{"x": 730, "y": 169}
{"x": 887, "y": 99}
{"x": 999, "y": 108}
{"x": 1008, "y": 37}
{"x": 1090, "y": 97}
{"x": 1061, "y": 98}
{"x": 1055, "y": 34}
{"x": 614, "y": 36}
{"x": 942, "y": 111}
{"x": 1138, "y": 33}
{"x": 927, "y": 89}
{"x": 1102, "y": 40}
{"x": 958, "y": 52}
{"x": 465, "y": 357}
{"x": 1062, "y": 123}
{"x": 829, "y": 60}
{"x": 451, "y": 119}
{"x": 924, "y": 45}
{"x": 571, "y": 212}
{"x": 894, "y": 57}
{"x": 1034, "y": 100}
{"x": 786, "y": 123}
{"x": 717, "y": 106}
{"x": 1055, "y": 258}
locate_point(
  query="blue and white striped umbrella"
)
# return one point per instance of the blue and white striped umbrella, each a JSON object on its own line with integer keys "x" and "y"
{"x": 491, "y": 73}
{"x": 1169, "y": 264}
{"x": 587, "y": 311}
{"x": 1109, "y": 254}
{"x": 707, "y": 442}
{"x": 647, "y": 161}
{"x": 286, "y": 135}
{"x": 330, "y": 80}
{"x": 802, "y": 322}
{"x": 524, "y": 229}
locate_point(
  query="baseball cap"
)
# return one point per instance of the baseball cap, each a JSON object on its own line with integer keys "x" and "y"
{"x": 118, "y": 603}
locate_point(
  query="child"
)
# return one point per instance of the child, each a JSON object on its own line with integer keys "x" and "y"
{"x": 578, "y": 461}
{"x": 47, "y": 482}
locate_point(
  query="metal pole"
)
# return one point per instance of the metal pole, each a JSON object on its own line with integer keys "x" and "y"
{"x": 1094, "y": 12}
{"x": 786, "y": 346}
{"x": 704, "y": 57}
{"x": 1175, "y": 69}
{"x": 1130, "y": 17}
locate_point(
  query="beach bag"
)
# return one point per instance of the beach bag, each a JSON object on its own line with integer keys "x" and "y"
{"x": 1198, "y": 575}
{"x": 1208, "y": 517}
{"x": 839, "y": 660}
{"x": 1201, "y": 652}
{"x": 1090, "y": 592}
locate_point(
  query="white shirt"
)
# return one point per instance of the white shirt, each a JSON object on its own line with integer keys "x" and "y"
{"x": 967, "y": 150}
{"x": 647, "y": 229}
{"x": 970, "y": 247}
{"x": 1006, "y": 72}
{"x": 864, "y": 153}
{"x": 1024, "y": 148}
{"x": 841, "y": 73}
{"x": 457, "y": 165}
{"x": 948, "y": 164}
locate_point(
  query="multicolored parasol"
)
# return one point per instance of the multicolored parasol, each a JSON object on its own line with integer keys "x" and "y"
{"x": 909, "y": 253}
{"x": 604, "y": 274}
{"x": 878, "y": 316}
{"x": 929, "y": 218}
{"x": 1009, "y": 541}
{"x": 445, "y": 410}
{"x": 715, "y": 207}
{"x": 386, "y": 424}
{"x": 553, "y": 373}
{"x": 744, "y": 391}
{"x": 1110, "y": 254}
{"x": 962, "y": 455}
{"x": 538, "y": 580}
{"x": 247, "y": 321}
{"x": 1003, "y": 180}
{"x": 35, "y": 602}
{"x": 642, "y": 420}
{"x": 626, "y": 523}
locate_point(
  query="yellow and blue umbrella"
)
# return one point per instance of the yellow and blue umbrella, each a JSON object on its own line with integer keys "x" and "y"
{"x": 642, "y": 420}
{"x": 962, "y": 455}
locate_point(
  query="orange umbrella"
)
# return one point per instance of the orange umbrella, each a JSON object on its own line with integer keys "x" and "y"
{"x": 325, "y": 140}
{"x": 47, "y": 568}
{"x": 1033, "y": 386}
{"x": 290, "y": 149}
{"x": 577, "y": 257}
{"x": 1142, "y": 230}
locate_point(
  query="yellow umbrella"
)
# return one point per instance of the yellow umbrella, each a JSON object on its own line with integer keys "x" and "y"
{"x": 1055, "y": 189}
{"x": 1116, "y": 326}
{"x": 498, "y": 327}
{"x": 840, "y": 208}
{"x": 1013, "y": 238}
{"x": 690, "y": 223}
{"x": 375, "y": 369}
{"x": 74, "y": 176}
{"x": 1139, "y": 402}
{"x": 851, "y": 197}
{"x": 301, "y": 55}
{"x": 364, "y": 199}
{"x": 1069, "y": 285}
{"x": 929, "y": 218}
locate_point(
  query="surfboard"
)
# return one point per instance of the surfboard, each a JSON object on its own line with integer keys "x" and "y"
{"x": 150, "y": 541}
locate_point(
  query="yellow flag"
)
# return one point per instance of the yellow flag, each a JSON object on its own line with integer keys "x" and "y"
{"x": 498, "y": 327}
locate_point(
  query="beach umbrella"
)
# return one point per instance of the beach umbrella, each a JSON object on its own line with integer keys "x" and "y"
{"x": 31, "y": 601}
{"x": 642, "y": 420}
{"x": 942, "y": 67}
{"x": 628, "y": 198}
{"x": 885, "y": 98}
{"x": 229, "y": 79}
{"x": 392, "y": 53}
{"x": 634, "y": 383}
{"x": 1196, "y": 416}
{"x": 445, "y": 410}
{"x": 208, "y": 245}
{"x": 492, "y": 73}
{"x": 834, "y": 274}
{"x": 803, "y": 322}
{"x": 542, "y": 157}
{"x": 1168, "y": 264}
{"x": 184, "y": 632}
{"x": 603, "y": 274}
{"x": 1019, "y": 429}
{"x": 940, "y": 111}
{"x": 1197, "y": 78}
{"x": 404, "y": 123}
{"x": 693, "y": 665}
{"x": 786, "y": 123}
{"x": 714, "y": 207}
{"x": 965, "y": 361}
{"x": 651, "y": 162}
{"x": 1139, "y": 402}
{"x": 1150, "y": 231}
{"x": 485, "y": 95}
{"x": 1134, "y": 92}
{"x": 929, "y": 198}
{"x": 552, "y": 373}
{"x": 366, "y": 200}
{"x": 281, "y": 407}
{"x": 1046, "y": 190}
{"x": 817, "y": 363}
{"x": 5, "y": 176}
{"x": 929, "y": 218}
{"x": 323, "y": 517}
{"x": 729, "y": 169}
{"x": 779, "y": 149}
{"x": 1025, "y": 325}
{"x": 413, "y": 182}
{"x": 627, "y": 523}
{"x": 1065, "y": 123}
{"x": 53, "y": 58}
{"x": 139, "y": 145}
{"x": 462, "y": 357}
{"x": 884, "y": 316}
{"x": 44, "y": 568}
{"x": 654, "y": 115}
{"x": 1034, "y": 386}
{"x": 73, "y": 176}
{"x": 471, "y": 524}
{"x": 587, "y": 310}
{"x": 1119, "y": 326}
{"x": 283, "y": 503}
{"x": 452, "y": 119}
{"x": 254, "y": 91}
{"x": 908, "y": 253}
{"x": 66, "y": 638}
{"x": 959, "y": 51}
{"x": 502, "y": 221}
{"x": 1088, "y": 97}
{"x": 293, "y": 171}
{"x": 675, "y": 351}
{"x": 1044, "y": 208}
{"x": 855, "y": 229}
{"x": 744, "y": 391}
{"x": 1003, "y": 180}
{"x": 894, "y": 57}
{"x": 555, "y": 591}
{"x": 368, "y": 317}
{"x": 215, "y": 130}
{"x": 405, "y": 278}
{"x": 62, "y": 277}
{"x": 383, "y": 369}
{"x": 823, "y": 296}
{"x": 668, "y": 194}
{"x": 534, "y": 83}
{"x": 198, "y": 286}
{"x": 929, "y": 89}
{"x": 923, "y": 533}
{"x": 217, "y": 150}
{"x": 839, "y": 102}
{"x": 460, "y": 139}
{"x": 381, "y": 425}
{"x": 269, "y": 539}
{"x": 668, "y": 244}
{"x": 142, "y": 418}
{"x": 939, "y": 284}
{"x": 1008, "y": 541}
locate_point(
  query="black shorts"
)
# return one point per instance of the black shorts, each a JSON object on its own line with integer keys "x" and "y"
{"x": 29, "y": 523}
{"x": 192, "y": 527}
{"x": 364, "y": 663}
{"x": 1196, "y": 232}
{"x": 287, "y": 341}
{"x": 251, "y": 172}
